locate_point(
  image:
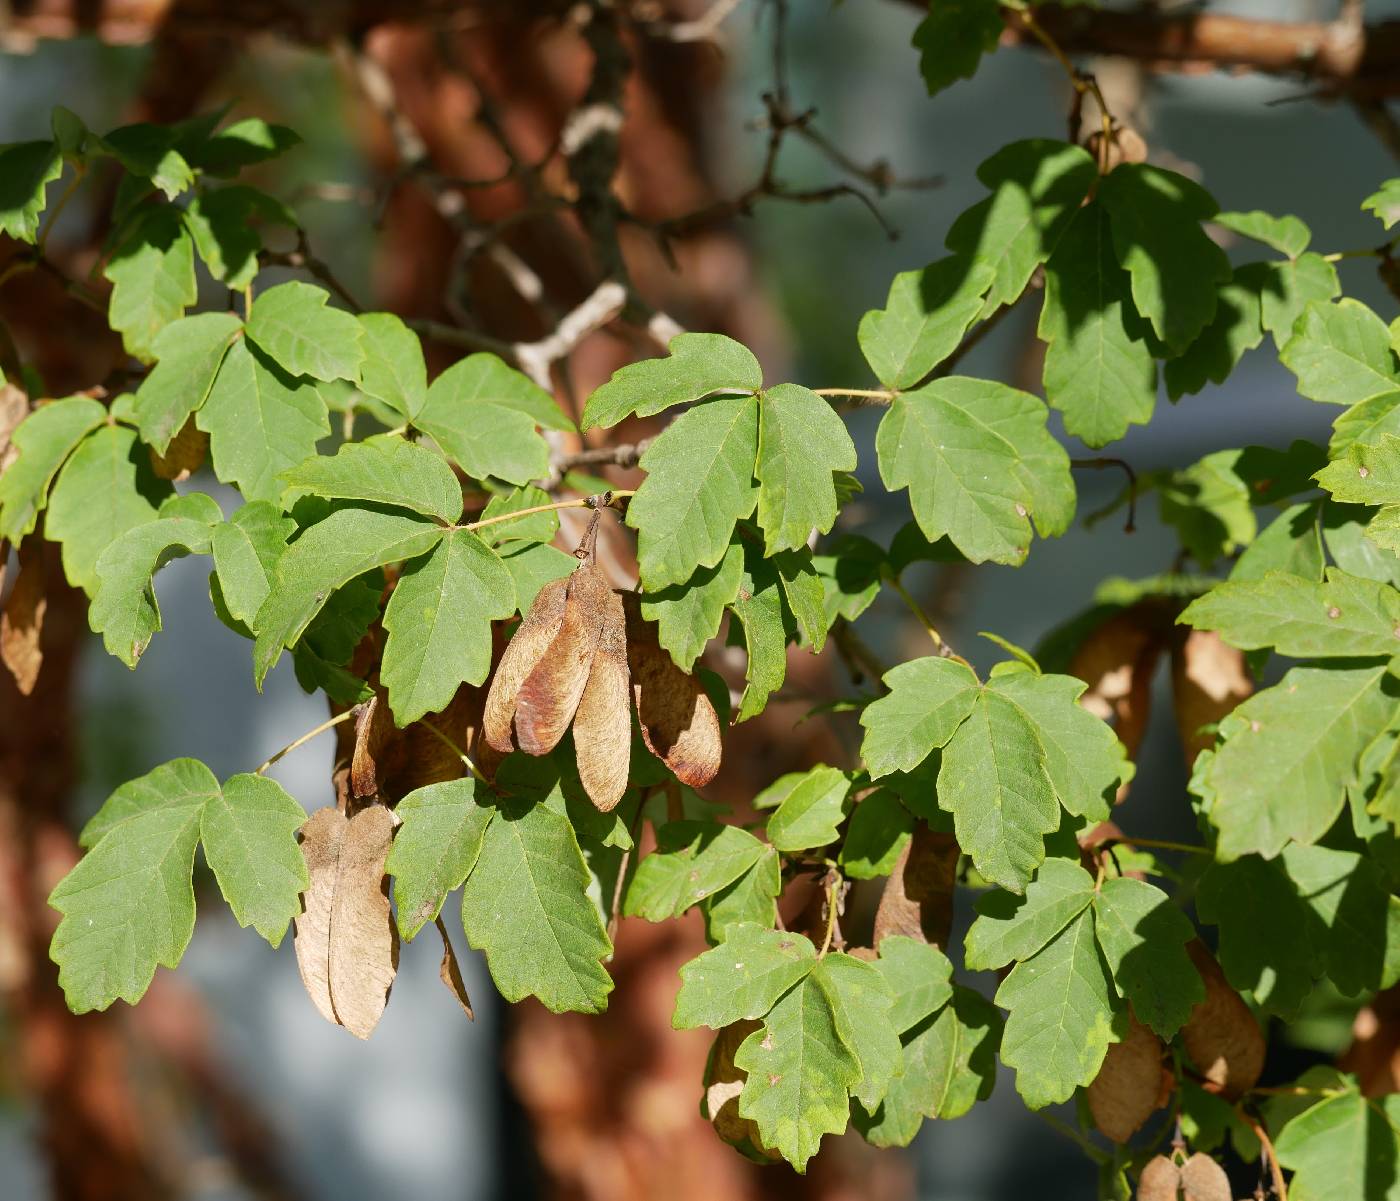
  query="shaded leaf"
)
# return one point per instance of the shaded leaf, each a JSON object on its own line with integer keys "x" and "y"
{"x": 435, "y": 848}
{"x": 296, "y": 328}
{"x": 698, "y": 365}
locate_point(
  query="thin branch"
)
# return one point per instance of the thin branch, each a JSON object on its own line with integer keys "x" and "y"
{"x": 626, "y": 455}
{"x": 860, "y": 660}
{"x": 1101, "y": 462}
{"x": 1267, "y": 1149}
{"x": 601, "y": 501}
{"x": 307, "y": 737}
{"x": 472, "y": 769}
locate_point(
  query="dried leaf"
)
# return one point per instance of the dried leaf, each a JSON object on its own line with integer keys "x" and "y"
{"x": 184, "y": 456}
{"x": 1128, "y": 1088}
{"x": 603, "y": 723}
{"x": 1209, "y": 678}
{"x": 550, "y": 694}
{"x": 1222, "y": 1036}
{"x": 1202, "y": 1179}
{"x": 376, "y": 738}
{"x": 679, "y": 724}
{"x": 450, "y": 972}
{"x": 918, "y": 897}
{"x": 346, "y": 944}
{"x": 14, "y": 408}
{"x": 533, "y": 637}
{"x": 22, "y": 623}
{"x": 1159, "y": 1180}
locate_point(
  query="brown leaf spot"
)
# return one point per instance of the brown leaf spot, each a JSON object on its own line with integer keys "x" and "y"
{"x": 1333, "y": 612}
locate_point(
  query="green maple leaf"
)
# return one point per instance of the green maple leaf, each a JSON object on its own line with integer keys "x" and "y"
{"x": 1288, "y": 754}
{"x": 760, "y": 610}
{"x": 531, "y": 527}
{"x": 1365, "y": 424}
{"x": 812, "y": 811}
{"x": 188, "y": 352}
{"x": 152, "y": 277}
{"x": 248, "y": 829}
{"x": 1367, "y": 474}
{"x": 918, "y": 976}
{"x": 383, "y": 470}
{"x": 862, "y": 1004}
{"x": 526, "y": 906}
{"x": 246, "y": 548}
{"x": 801, "y": 444}
{"x": 880, "y": 829}
{"x": 1155, "y": 216}
{"x": 952, "y": 39}
{"x": 26, "y": 170}
{"x": 1037, "y": 185}
{"x": 1344, "y": 616}
{"x": 688, "y": 615}
{"x": 260, "y": 421}
{"x": 699, "y": 483}
{"x": 393, "y": 370}
{"x": 743, "y": 977}
{"x": 240, "y": 145}
{"x": 928, "y": 700}
{"x": 1289, "y": 287}
{"x": 693, "y": 860}
{"x": 979, "y": 465}
{"x": 751, "y": 898}
{"x": 1062, "y": 1015}
{"x": 436, "y": 848}
{"x": 1343, "y": 1146}
{"x": 1009, "y": 928}
{"x": 1341, "y": 353}
{"x": 1291, "y": 543}
{"x": 295, "y": 327}
{"x": 327, "y": 556}
{"x": 1099, "y": 372}
{"x": 43, "y": 441}
{"x": 1237, "y": 327}
{"x": 105, "y": 488}
{"x": 484, "y": 416}
{"x": 439, "y": 624}
{"x": 924, "y": 318}
{"x": 1143, "y": 937}
{"x": 698, "y": 365}
{"x": 223, "y": 225}
{"x": 1288, "y": 235}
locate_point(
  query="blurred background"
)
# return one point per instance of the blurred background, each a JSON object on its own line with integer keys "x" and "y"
{"x": 224, "y": 1083}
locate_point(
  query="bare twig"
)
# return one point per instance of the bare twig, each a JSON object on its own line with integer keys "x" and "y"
{"x": 1101, "y": 462}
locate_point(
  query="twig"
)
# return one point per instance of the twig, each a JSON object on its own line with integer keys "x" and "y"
{"x": 1098, "y": 464}
{"x": 1159, "y": 844}
{"x": 472, "y": 769}
{"x": 626, "y": 455}
{"x": 870, "y": 395}
{"x": 604, "y": 303}
{"x": 601, "y": 501}
{"x": 861, "y": 661}
{"x": 832, "y": 888}
{"x": 941, "y": 648}
{"x": 1267, "y": 1149}
{"x": 307, "y": 737}
{"x": 1081, "y": 81}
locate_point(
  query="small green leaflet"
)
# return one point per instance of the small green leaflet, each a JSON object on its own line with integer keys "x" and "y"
{"x": 26, "y": 170}
{"x": 801, "y": 443}
{"x": 979, "y": 465}
{"x": 1062, "y": 1016}
{"x": 1155, "y": 216}
{"x": 1291, "y": 543}
{"x": 246, "y": 548}
{"x": 147, "y": 151}
{"x": 105, "y": 488}
{"x": 1345, "y": 617}
{"x": 1099, "y": 372}
{"x": 240, "y": 145}
{"x": 688, "y": 615}
{"x": 950, "y": 1063}
{"x": 1237, "y": 327}
{"x": 43, "y": 441}
{"x": 693, "y": 860}
{"x": 1209, "y": 505}
{"x": 862, "y": 1004}
{"x": 750, "y": 898}
{"x": 1288, "y": 235}
{"x": 1341, "y": 353}
{"x": 1385, "y": 204}
{"x": 1289, "y": 287}
{"x": 880, "y": 829}
{"x": 298, "y": 330}
{"x": 222, "y": 223}
{"x": 759, "y": 608}
{"x": 435, "y": 848}
{"x": 1143, "y": 938}
{"x": 526, "y": 906}
{"x": 1037, "y": 185}
{"x": 1288, "y": 754}
{"x": 189, "y": 353}
{"x": 952, "y": 39}
{"x": 1015, "y": 751}
{"x": 483, "y": 414}
{"x": 124, "y": 609}
{"x": 924, "y": 319}
{"x": 1365, "y": 424}
{"x": 439, "y": 624}
{"x": 918, "y": 977}
{"x": 1367, "y": 474}
{"x": 260, "y": 421}
{"x": 384, "y": 470}
{"x": 393, "y": 370}
{"x": 152, "y": 277}
{"x": 128, "y": 905}
{"x": 699, "y": 483}
{"x": 741, "y": 978}
{"x": 327, "y": 556}
{"x": 1343, "y": 1146}
{"x": 699, "y": 365}
{"x": 1009, "y": 928}
{"x": 812, "y": 811}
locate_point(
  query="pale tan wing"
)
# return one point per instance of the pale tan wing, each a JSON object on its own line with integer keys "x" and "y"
{"x": 526, "y": 648}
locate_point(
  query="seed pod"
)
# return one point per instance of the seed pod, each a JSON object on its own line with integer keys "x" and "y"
{"x": 603, "y": 723}
{"x": 1159, "y": 1180}
{"x": 550, "y": 694}
{"x": 1202, "y": 1179}
{"x": 184, "y": 456}
{"x": 679, "y": 724}
{"x": 521, "y": 656}
{"x": 1128, "y": 1088}
{"x": 22, "y": 622}
{"x": 1222, "y": 1036}
{"x": 918, "y": 897}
